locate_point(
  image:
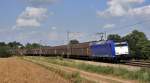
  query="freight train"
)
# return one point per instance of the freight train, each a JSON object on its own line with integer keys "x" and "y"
{"x": 98, "y": 49}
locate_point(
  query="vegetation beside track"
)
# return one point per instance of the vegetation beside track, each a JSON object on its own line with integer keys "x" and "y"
{"x": 139, "y": 44}
{"x": 143, "y": 75}
{"x": 4, "y": 53}
{"x": 73, "y": 77}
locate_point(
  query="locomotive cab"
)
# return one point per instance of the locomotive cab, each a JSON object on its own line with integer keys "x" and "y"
{"x": 121, "y": 50}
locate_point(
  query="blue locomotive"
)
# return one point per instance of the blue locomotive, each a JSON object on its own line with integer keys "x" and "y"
{"x": 110, "y": 49}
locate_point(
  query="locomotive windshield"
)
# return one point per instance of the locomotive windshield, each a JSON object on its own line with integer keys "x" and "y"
{"x": 121, "y": 44}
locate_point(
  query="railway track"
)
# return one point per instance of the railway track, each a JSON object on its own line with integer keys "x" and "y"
{"x": 138, "y": 63}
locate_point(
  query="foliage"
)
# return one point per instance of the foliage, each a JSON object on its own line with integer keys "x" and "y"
{"x": 139, "y": 45}
{"x": 14, "y": 44}
{"x": 33, "y": 45}
{"x": 77, "y": 77}
{"x": 3, "y": 44}
{"x": 5, "y": 49}
{"x": 143, "y": 75}
{"x": 114, "y": 37}
{"x": 73, "y": 42}
{"x": 4, "y": 52}
{"x": 144, "y": 49}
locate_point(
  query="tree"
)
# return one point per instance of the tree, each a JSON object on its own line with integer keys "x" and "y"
{"x": 33, "y": 45}
{"x": 114, "y": 37}
{"x": 4, "y": 52}
{"x": 137, "y": 41}
{"x": 2, "y": 44}
{"x": 73, "y": 42}
{"x": 143, "y": 48}
{"x": 139, "y": 45}
{"x": 14, "y": 44}
{"x": 36, "y": 45}
{"x": 146, "y": 50}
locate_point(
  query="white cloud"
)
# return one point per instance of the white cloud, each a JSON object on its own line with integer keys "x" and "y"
{"x": 35, "y": 13}
{"x": 131, "y": 1}
{"x": 27, "y": 23}
{"x": 109, "y": 26}
{"x": 122, "y": 7}
{"x": 145, "y": 10}
{"x": 32, "y": 17}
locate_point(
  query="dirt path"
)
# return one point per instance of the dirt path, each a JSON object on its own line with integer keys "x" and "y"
{"x": 91, "y": 76}
{"x": 13, "y": 70}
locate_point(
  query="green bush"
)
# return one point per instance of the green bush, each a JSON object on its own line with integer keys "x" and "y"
{"x": 76, "y": 77}
{"x": 4, "y": 52}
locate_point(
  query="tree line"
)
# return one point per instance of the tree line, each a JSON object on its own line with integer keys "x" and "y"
{"x": 5, "y": 48}
{"x": 139, "y": 44}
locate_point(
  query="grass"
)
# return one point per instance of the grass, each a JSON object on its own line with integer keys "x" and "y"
{"x": 143, "y": 75}
{"x": 73, "y": 77}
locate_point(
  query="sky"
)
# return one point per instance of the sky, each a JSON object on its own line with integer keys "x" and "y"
{"x": 48, "y": 21}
